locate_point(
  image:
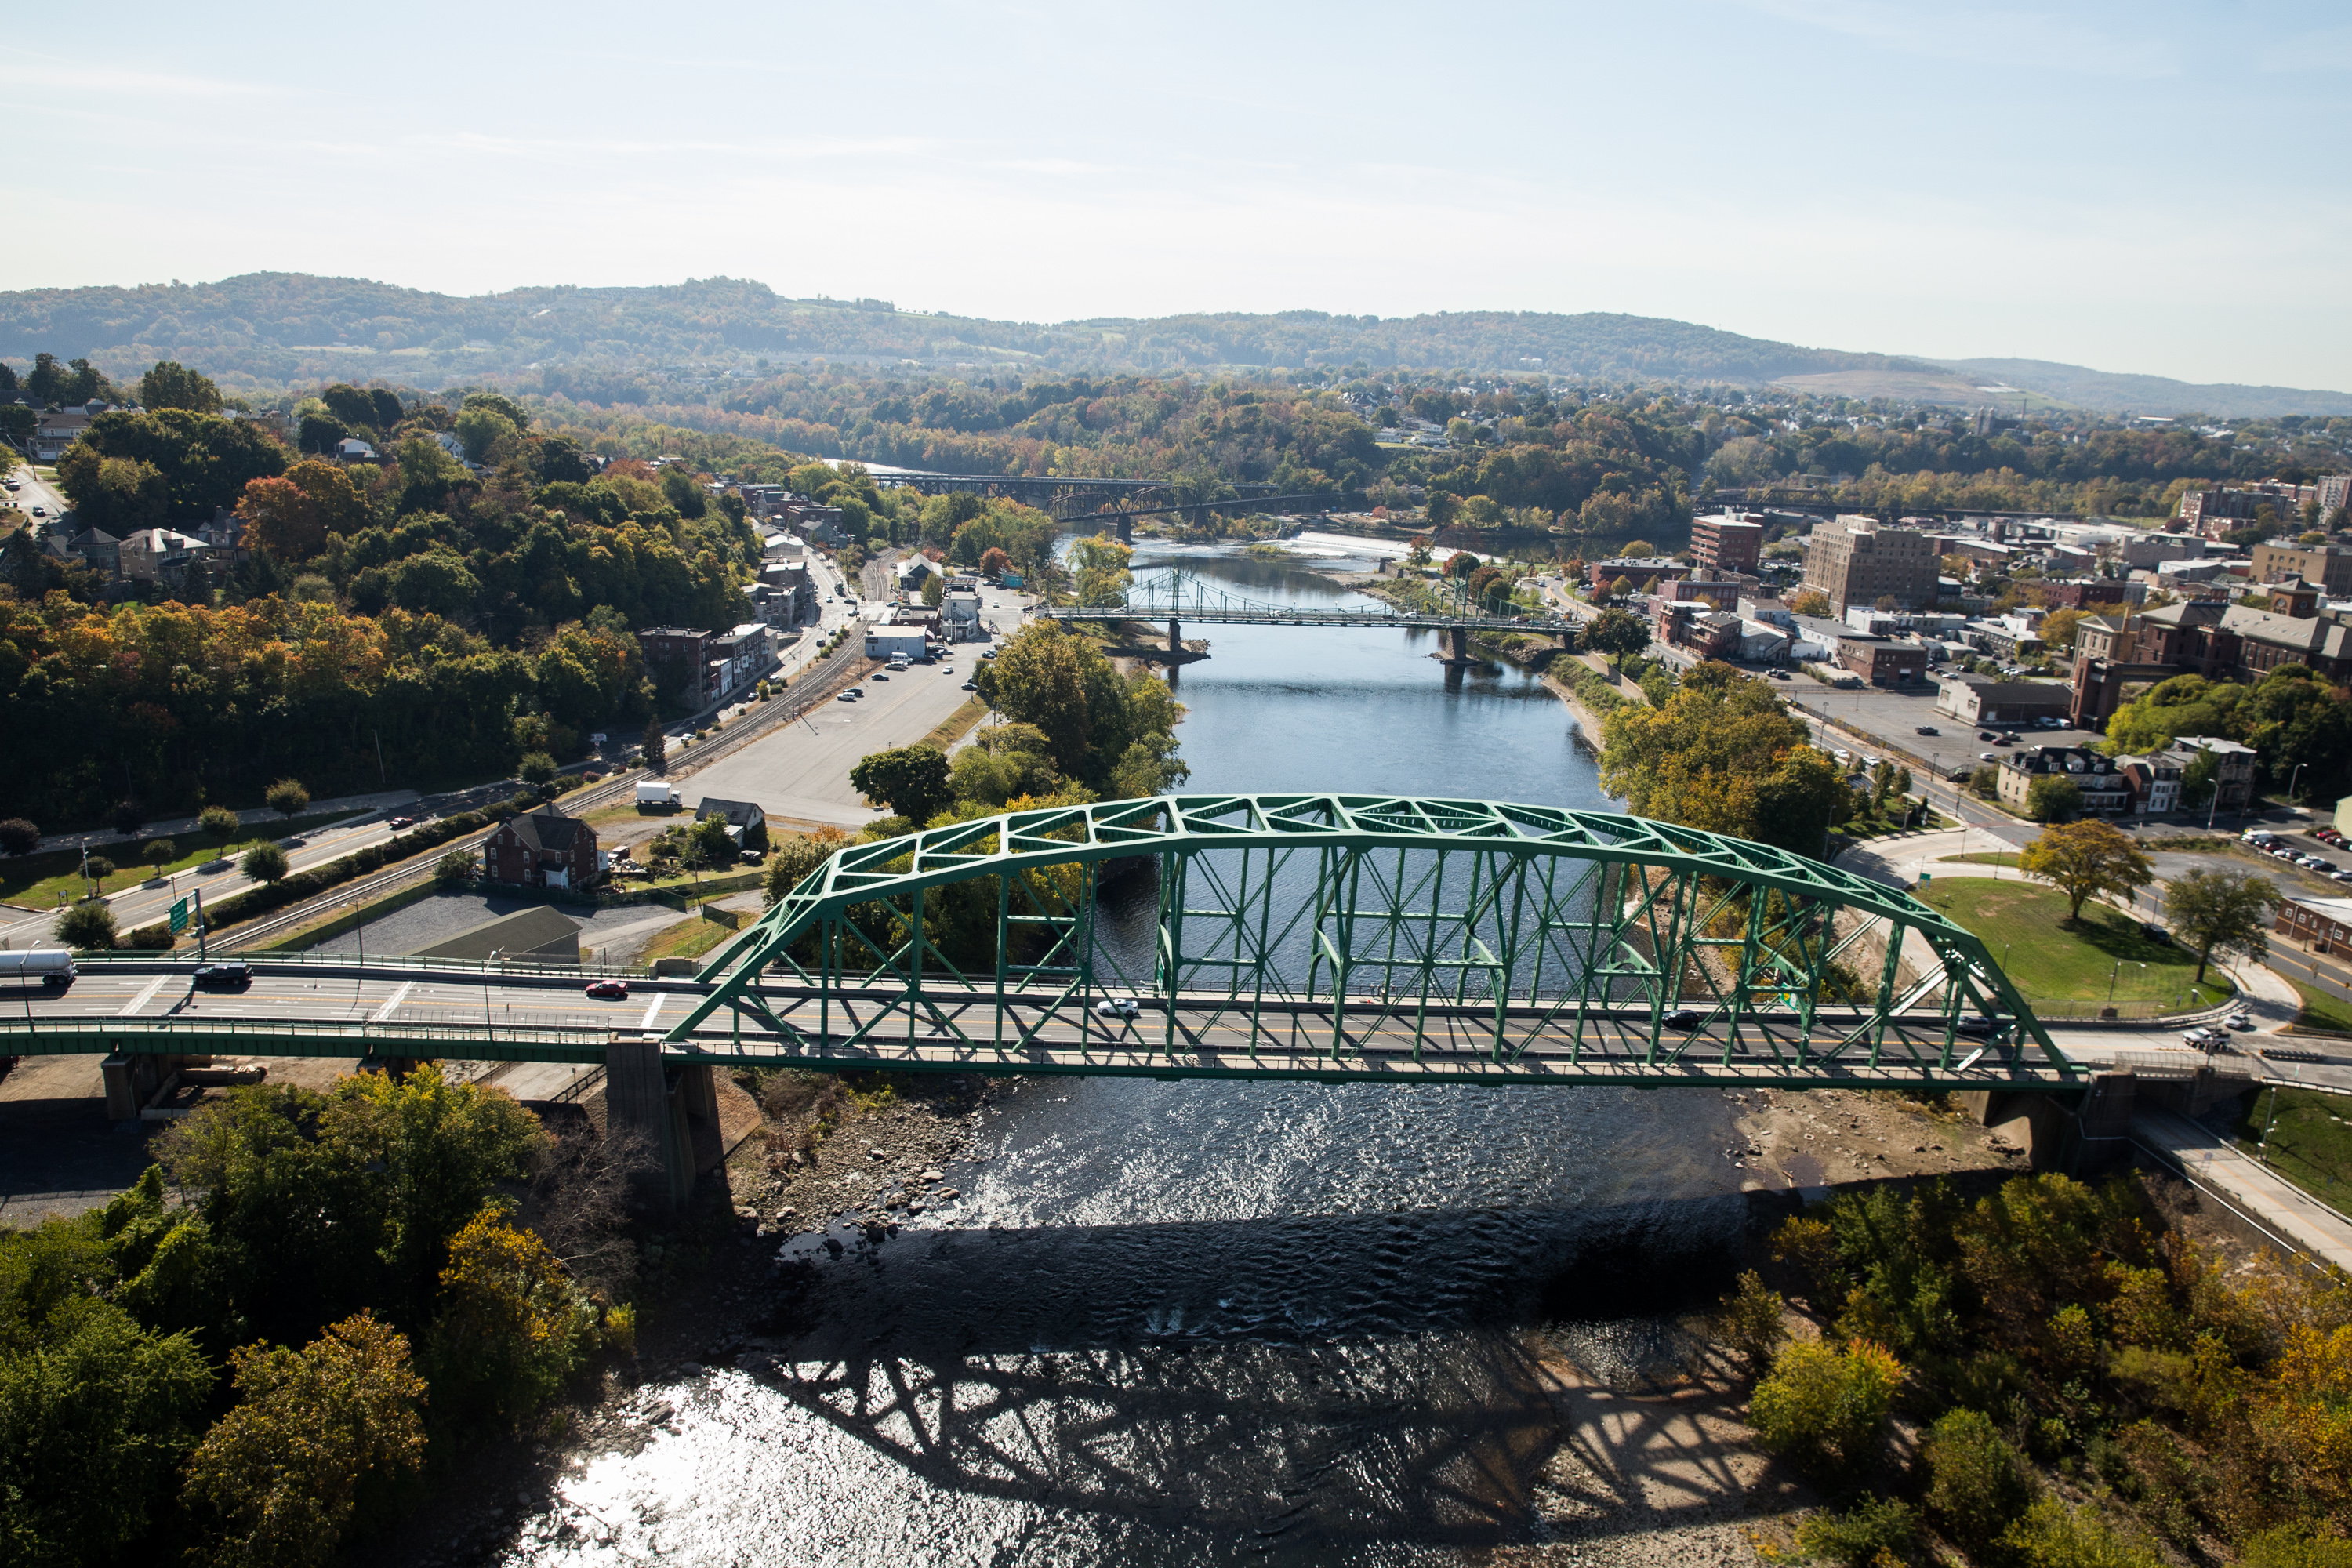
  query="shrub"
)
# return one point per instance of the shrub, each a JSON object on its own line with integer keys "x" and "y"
{"x": 98, "y": 868}
{"x": 2052, "y": 1535}
{"x": 1822, "y": 1407}
{"x": 621, "y": 1329}
{"x": 459, "y": 866}
{"x": 264, "y": 863}
{"x": 2295, "y": 1546}
{"x": 129, "y": 817}
{"x": 18, "y": 836}
{"x": 218, "y": 821}
{"x": 1977, "y": 1482}
{"x": 509, "y": 1327}
{"x": 1875, "y": 1533}
{"x": 287, "y": 797}
{"x": 1750, "y": 1319}
{"x": 159, "y": 852}
{"x": 536, "y": 767}
{"x": 88, "y": 926}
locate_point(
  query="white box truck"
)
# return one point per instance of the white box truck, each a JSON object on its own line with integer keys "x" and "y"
{"x": 52, "y": 966}
{"x": 656, "y": 795}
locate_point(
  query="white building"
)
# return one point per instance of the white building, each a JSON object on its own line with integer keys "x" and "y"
{"x": 885, "y": 641}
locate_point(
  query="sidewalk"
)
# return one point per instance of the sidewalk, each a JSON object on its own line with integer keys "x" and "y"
{"x": 2293, "y": 1216}
{"x": 344, "y": 806}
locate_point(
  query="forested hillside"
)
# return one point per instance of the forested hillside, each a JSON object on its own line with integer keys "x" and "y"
{"x": 265, "y": 331}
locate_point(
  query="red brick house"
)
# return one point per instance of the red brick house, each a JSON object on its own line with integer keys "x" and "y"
{"x": 543, "y": 849}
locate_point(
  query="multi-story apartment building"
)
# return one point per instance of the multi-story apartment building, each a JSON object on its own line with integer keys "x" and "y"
{"x": 1726, "y": 543}
{"x": 1855, "y": 561}
{"x": 2327, "y": 566}
{"x": 2105, "y": 791}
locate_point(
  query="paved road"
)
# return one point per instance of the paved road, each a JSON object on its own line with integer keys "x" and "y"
{"x": 33, "y": 491}
{"x": 801, "y": 772}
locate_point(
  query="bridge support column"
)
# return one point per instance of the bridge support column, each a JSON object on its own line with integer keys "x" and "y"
{"x": 1458, "y": 646}
{"x": 645, "y": 1122}
{"x": 2076, "y": 1138}
{"x": 1127, "y": 530}
{"x": 1175, "y": 636}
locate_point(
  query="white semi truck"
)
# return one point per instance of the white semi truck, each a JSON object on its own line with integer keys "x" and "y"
{"x": 52, "y": 966}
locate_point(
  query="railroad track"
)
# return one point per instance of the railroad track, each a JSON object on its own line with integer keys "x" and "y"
{"x": 818, "y": 684}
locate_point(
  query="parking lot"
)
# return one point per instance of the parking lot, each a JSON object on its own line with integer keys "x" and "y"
{"x": 1893, "y": 716}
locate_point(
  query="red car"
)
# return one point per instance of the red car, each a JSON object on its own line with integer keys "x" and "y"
{"x": 609, "y": 990}
{"x": 401, "y": 824}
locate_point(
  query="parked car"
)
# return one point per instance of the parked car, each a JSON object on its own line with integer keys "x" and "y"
{"x": 880, "y": 675}
{"x": 2339, "y": 876}
{"x": 224, "y": 976}
{"x": 847, "y": 697}
{"x": 608, "y": 990}
{"x": 968, "y": 686}
{"x": 1985, "y": 734}
{"x": 2314, "y": 863}
{"x": 1777, "y": 674}
{"x": 2154, "y": 932}
{"x": 1988, "y": 756}
{"x": 2003, "y": 740}
{"x": 1117, "y": 1007}
{"x": 1929, "y": 730}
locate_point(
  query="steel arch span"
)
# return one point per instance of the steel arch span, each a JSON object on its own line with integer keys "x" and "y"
{"x": 1358, "y": 936}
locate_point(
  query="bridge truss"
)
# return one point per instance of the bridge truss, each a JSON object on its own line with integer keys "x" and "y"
{"x": 1179, "y": 595}
{"x": 1361, "y": 937}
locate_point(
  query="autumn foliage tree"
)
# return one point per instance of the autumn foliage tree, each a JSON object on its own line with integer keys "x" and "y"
{"x": 292, "y": 516}
{"x": 2086, "y": 860}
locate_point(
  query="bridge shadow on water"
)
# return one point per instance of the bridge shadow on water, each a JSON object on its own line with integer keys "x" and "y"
{"x": 1316, "y": 1386}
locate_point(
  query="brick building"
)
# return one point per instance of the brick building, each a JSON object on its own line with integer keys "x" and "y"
{"x": 2323, "y": 925}
{"x": 543, "y": 849}
{"x": 1643, "y": 571}
{"x": 2327, "y": 565}
{"x": 1726, "y": 543}
{"x": 2105, "y": 791}
{"x": 1855, "y": 561}
{"x": 1882, "y": 661}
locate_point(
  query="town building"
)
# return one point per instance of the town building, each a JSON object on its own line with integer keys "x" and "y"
{"x": 2322, "y": 925}
{"x": 1726, "y": 543}
{"x": 1708, "y": 632}
{"x": 1855, "y": 561}
{"x": 2214, "y": 512}
{"x": 885, "y": 641}
{"x": 2236, "y": 778}
{"x": 1980, "y": 700}
{"x": 746, "y": 822}
{"x": 2105, "y": 791}
{"x": 703, "y": 668}
{"x": 2154, "y": 782}
{"x": 1882, "y": 661}
{"x": 544, "y": 849}
{"x": 2329, "y": 566}
{"x": 960, "y": 618}
{"x": 1640, "y": 572}
{"x": 57, "y": 429}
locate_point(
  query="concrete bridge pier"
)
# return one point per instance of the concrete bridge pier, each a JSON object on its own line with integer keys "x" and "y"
{"x": 1175, "y": 636}
{"x": 1127, "y": 530}
{"x": 2076, "y": 1134}
{"x": 1457, "y": 647}
{"x": 652, "y": 1115}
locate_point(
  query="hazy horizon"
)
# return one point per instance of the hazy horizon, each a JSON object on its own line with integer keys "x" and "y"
{"x": 1983, "y": 183}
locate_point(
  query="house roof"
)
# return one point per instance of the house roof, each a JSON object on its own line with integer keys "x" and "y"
{"x": 549, "y": 829}
{"x": 2307, "y": 634}
{"x": 739, "y": 813}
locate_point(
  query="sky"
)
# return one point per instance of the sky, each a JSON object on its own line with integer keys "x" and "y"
{"x": 2150, "y": 188}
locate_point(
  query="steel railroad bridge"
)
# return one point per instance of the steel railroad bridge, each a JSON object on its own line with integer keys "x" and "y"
{"x": 1178, "y": 596}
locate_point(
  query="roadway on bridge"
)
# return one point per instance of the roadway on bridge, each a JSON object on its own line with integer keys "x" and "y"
{"x": 1215, "y": 1036}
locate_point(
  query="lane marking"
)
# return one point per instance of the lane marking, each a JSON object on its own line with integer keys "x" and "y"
{"x": 397, "y": 997}
{"x": 652, "y": 1009}
{"x": 143, "y": 997}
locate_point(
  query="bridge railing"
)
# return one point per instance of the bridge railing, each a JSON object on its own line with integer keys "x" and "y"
{"x": 275, "y": 958}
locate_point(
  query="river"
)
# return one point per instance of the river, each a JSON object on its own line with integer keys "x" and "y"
{"x": 1207, "y": 1322}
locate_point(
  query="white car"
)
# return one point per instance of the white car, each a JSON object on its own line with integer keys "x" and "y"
{"x": 1988, "y": 756}
{"x": 1117, "y": 1007}
{"x": 2240, "y": 1021}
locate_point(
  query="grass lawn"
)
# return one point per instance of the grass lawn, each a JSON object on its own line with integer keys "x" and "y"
{"x": 689, "y": 938}
{"x": 2321, "y": 1011}
{"x": 2311, "y": 1143}
{"x": 37, "y": 879}
{"x": 954, "y": 727}
{"x": 1982, "y": 858}
{"x": 2049, "y": 960}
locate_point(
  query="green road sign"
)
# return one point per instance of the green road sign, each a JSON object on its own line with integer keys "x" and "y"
{"x": 1925, "y": 876}
{"x": 180, "y": 916}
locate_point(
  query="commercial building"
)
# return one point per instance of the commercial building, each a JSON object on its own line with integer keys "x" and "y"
{"x": 2323, "y": 925}
{"x": 960, "y": 617}
{"x": 1975, "y": 700}
{"x": 2154, "y": 781}
{"x": 1640, "y": 572}
{"x": 703, "y": 668}
{"x": 1882, "y": 661}
{"x": 2214, "y": 512}
{"x": 884, "y": 641}
{"x": 2236, "y": 777}
{"x": 2105, "y": 791}
{"x": 543, "y": 849}
{"x": 1726, "y": 543}
{"x": 1854, "y": 561}
{"x": 2327, "y": 566}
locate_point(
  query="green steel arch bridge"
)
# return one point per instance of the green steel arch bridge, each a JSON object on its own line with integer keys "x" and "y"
{"x": 1331, "y": 937}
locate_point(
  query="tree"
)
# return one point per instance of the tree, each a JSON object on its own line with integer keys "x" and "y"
{"x": 88, "y": 926}
{"x": 1751, "y": 1320}
{"x": 994, "y": 562}
{"x": 2086, "y": 860}
{"x": 2052, "y": 797}
{"x": 287, "y": 797}
{"x": 1149, "y": 766}
{"x": 264, "y": 862}
{"x": 98, "y": 868}
{"x": 1102, "y": 577}
{"x": 509, "y": 1327}
{"x": 1979, "y": 1482}
{"x": 912, "y": 781}
{"x": 500, "y": 403}
{"x": 159, "y": 852}
{"x": 2221, "y": 912}
{"x": 1616, "y": 634}
{"x": 935, "y": 591}
{"x": 1723, "y": 754}
{"x": 172, "y": 384}
{"x": 1637, "y": 549}
{"x": 2201, "y": 779}
{"x": 129, "y": 817}
{"x": 1887, "y": 602}
{"x": 1620, "y": 587}
{"x": 292, "y": 516}
{"x": 657, "y": 746}
{"x": 18, "y": 836}
{"x": 279, "y": 1477}
{"x": 1822, "y": 1406}
{"x": 795, "y": 859}
{"x": 457, "y": 867}
{"x": 536, "y": 767}
{"x": 1461, "y": 564}
{"x": 1811, "y": 601}
{"x": 218, "y": 822}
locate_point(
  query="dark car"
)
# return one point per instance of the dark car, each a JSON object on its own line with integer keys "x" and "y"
{"x": 1976, "y": 1026}
{"x": 2154, "y": 932}
{"x": 224, "y": 976}
{"x": 1681, "y": 1018}
{"x": 1929, "y": 730}
{"x": 1984, "y": 735}
{"x": 608, "y": 990}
